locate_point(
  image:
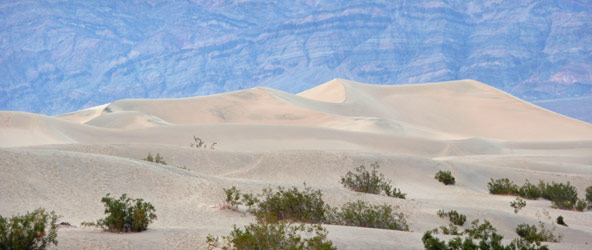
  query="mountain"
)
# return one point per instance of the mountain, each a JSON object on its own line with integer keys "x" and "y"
{"x": 61, "y": 56}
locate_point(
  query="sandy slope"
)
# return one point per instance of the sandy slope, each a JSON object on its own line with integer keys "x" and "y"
{"x": 266, "y": 137}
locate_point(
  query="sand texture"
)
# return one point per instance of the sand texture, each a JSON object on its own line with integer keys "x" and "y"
{"x": 268, "y": 138}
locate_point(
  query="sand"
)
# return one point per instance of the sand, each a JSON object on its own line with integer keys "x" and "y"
{"x": 268, "y": 138}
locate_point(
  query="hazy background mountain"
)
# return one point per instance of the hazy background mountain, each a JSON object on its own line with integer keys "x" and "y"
{"x": 61, "y": 56}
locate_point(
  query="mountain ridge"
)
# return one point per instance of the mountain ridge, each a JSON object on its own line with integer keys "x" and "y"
{"x": 60, "y": 56}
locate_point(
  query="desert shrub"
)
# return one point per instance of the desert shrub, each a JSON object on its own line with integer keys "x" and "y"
{"x": 394, "y": 192}
{"x": 502, "y": 186}
{"x": 564, "y": 196}
{"x": 450, "y": 230}
{"x": 198, "y": 143}
{"x": 432, "y": 243}
{"x": 125, "y": 214}
{"x": 158, "y": 159}
{"x": 560, "y": 221}
{"x": 529, "y": 191}
{"x": 492, "y": 242}
{"x": 518, "y": 204}
{"x": 522, "y": 244}
{"x": 529, "y": 233}
{"x": 454, "y": 216}
{"x": 581, "y": 205}
{"x": 34, "y": 230}
{"x": 364, "y": 214}
{"x": 370, "y": 182}
{"x": 273, "y": 236}
{"x": 308, "y": 206}
{"x": 445, "y": 177}
{"x": 487, "y": 237}
{"x": 232, "y": 197}
{"x": 291, "y": 204}
{"x": 533, "y": 234}
{"x": 480, "y": 231}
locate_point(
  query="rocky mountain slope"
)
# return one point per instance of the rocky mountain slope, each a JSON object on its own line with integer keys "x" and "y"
{"x": 61, "y": 56}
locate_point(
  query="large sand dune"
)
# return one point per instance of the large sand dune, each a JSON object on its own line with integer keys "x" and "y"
{"x": 266, "y": 137}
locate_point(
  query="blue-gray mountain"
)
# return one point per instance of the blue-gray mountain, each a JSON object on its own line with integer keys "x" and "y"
{"x": 60, "y": 56}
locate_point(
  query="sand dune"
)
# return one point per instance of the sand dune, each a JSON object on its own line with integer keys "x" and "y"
{"x": 266, "y": 137}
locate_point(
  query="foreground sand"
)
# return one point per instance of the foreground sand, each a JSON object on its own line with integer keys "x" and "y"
{"x": 270, "y": 138}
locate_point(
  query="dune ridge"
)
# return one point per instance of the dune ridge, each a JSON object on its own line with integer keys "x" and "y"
{"x": 262, "y": 137}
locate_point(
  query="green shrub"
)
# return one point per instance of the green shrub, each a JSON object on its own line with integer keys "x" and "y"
{"x": 364, "y": 214}
{"x": 291, "y": 204}
{"x": 529, "y": 233}
{"x": 564, "y": 196}
{"x": 308, "y": 206}
{"x": 432, "y": 243}
{"x": 480, "y": 231}
{"x": 522, "y": 244}
{"x": 370, "y": 182}
{"x": 450, "y": 230}
{"x": 34, "y": 230}
{"x": 445, "y": 177}
{"x": 493, "y": 242}
{"x": 232, "y": 197}
{"x": 560, "y": 221}
{"x": 159, "y": 159}
{"x": 273, "y": 236}
{"x": 533, "y": 234}
{"x": 517, "y": 204}
{"x": 454, "y": 216}
{"x": 394, "y": 192}
{"x": 502, "y": 186}
{"x": 125, "y": 215}
{"x": 529, "y": 191}
{"x": 488, "y": 240}
{"x": 581, "y": 205}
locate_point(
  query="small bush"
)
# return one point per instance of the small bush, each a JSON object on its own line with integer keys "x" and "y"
{"x": 480, "y": 231}
{"x": 487, "y": 236}
{"x": 363, "y": 214}
{"x": 432, "y": 243}
{"x": 531, "y": 234}
{"x": 273, "y": 236}
{"x": 517, "y": 204}
{"x": 370, "y": 182}
{"x": 502, "y": 186}
{"x": 529, "y": 191}
{"x": 454, "y": 216}
{"x": 291, "y": 204}
{"x": 560, "y": 221}
{"x": 308, "y": 206}
{"x": 450, "y": 230}
{"x": 125, "y": 215}
{"x": 564, "y": 196}
{"x": 581, "y": 205}
{"x": 493, "y": 241}
{"x": 394, "y": 192}
{"x": 445, "y": 177}
{"x": 232, "y": 197}
{"x": 159, "y": 159}
{"x": 34, "y": 230}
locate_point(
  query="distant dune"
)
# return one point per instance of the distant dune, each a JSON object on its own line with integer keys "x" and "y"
{"x": 265, "y": 137}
